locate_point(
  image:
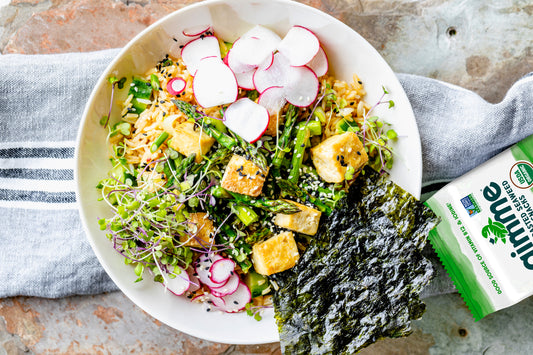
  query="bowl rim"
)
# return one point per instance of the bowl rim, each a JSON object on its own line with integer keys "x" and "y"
{"x": 102, "y": 80}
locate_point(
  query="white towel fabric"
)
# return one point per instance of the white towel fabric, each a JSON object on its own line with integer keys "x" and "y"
{"x": 44, "y": 251}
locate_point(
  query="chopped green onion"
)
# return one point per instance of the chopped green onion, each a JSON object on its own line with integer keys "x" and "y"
{"x": 154, "y": 81}
{"x": 160, "y": 140}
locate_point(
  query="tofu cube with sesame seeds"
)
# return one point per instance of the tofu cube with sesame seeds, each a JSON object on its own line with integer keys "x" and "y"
{"x": 306, "y": 221}
{"x": 334, "y": 155}
{"x": 276, "y": 254}
{"x": 188, "y": 138}
{"x": 243, "y": 176}
{"x": 201, "y": 231}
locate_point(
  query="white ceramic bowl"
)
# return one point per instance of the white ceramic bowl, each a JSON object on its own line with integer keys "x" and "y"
{"x": 348, "y": 53}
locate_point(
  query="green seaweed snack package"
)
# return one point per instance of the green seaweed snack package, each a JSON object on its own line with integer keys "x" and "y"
{"x": 485, "y": 237}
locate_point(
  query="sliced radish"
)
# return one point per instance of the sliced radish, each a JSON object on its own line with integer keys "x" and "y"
{"x": 302, "y": 86}
{"x": 194, "y": 280}
{"x": 216, "y": 301}
{"x": 319, "y": 64}
{"x": 179, "y": 284}
{"x": 236, "y": 301}
{"x": 214, "y": 84}
{"x": 274, "y": 75}
{"x": 255, "y": 46}
{"x": 269, "y": 37}
{"x": 269, "y": 60}
{"x": 235, "y": 64}
{"x": 195, "y": 31}
{"x": 198, "y": 49}
{"x": 221, "y": 270}
{"x": 246, "y": 80}
{"x": 247, "y": 119}
{"x": 273, "y": 99}
{"x": 228, "y": 288}
{"x": 175, "y": 86}
{"x": 299, "y": 45}
{"x": 202, "y": 270}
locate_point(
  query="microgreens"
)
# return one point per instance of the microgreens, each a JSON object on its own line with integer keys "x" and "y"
{"x": 113, "y": 81}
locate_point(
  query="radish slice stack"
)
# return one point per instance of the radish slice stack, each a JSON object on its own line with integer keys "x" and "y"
{"x": 281, "y": 69}
{"x": 227, "y": 292}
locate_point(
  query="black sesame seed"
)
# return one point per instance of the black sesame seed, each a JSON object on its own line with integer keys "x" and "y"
{"x": 175, "y": 40}
{"x": 338, "y": 157}
{"x": 235, "y": 302}
{"x": 358, "y": 153}
{"x": 359, "y": 81}
{"x": 208, "y": 310}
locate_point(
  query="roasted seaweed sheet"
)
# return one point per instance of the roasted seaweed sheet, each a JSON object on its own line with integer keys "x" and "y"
{"x": 360, "y": 278}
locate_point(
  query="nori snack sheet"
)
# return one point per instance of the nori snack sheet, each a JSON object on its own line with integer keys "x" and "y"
{"x": 359, "y": 279}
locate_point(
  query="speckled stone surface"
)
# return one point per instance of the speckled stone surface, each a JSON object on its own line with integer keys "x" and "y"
{"x": 481, "y": 45}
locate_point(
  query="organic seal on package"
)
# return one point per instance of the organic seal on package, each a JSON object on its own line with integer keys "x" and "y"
{"x": 485, "y": 238}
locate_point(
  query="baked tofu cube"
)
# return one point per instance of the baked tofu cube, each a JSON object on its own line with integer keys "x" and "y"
{"x": 305, "y": 221}
{"x": 276, "y": 120}
{"x": 276, "y": 254}
{"x": 243, "y": 176}
{"x": 187, "y": 140}
{"x": 202, "y": 230}
{"x": 333, "y": 156}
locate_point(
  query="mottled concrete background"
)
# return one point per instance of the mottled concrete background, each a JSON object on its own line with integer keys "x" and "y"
{"x": 481, "y": 45}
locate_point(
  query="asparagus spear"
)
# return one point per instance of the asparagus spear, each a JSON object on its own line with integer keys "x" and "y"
{"x": 274, "y": 206}
{"x": 293, "y": 189}
{"x": 253, "y": 154}
{"x": 191, "y": 112}
{"x": 283, "y": 142}
{"x": 303, "y": 131}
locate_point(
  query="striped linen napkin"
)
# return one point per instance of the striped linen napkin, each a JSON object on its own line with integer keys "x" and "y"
{"x": 44, "y": 250}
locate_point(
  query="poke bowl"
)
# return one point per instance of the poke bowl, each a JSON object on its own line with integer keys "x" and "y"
{"x": 162, "y": 44}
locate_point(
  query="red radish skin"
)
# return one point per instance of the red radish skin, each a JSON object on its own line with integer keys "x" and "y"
{"x": 221, "y": 270}
{"x": 196, "y": 31}
{"x": 299, "y": 45}
{"x": 228, "y": 288}
{"x": 197, "y": 49}
{"x": 217, "y": 301}
{"x": 247, "y": 119}
{"x": 176, "y": 86}
{"x": 237, "y": 301}
{"x": 202, "y": 270}
{"x": 320, "y": 63}
{"x": 267, "y": 62}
